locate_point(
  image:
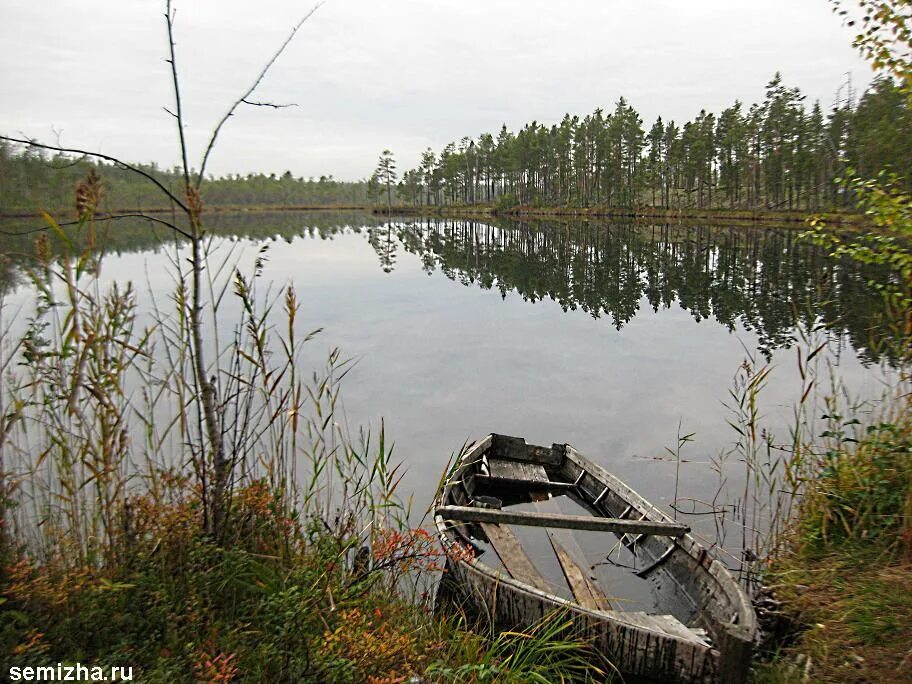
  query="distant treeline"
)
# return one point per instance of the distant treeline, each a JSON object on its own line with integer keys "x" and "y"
{"x": 31, "y": 179}
{"x": 777, "y": 154}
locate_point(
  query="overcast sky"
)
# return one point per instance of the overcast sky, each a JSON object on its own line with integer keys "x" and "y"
{"x": 401, "y": 74}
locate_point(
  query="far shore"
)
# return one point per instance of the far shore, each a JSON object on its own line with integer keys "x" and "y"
{"x": 766, "y": 216}
{"x": 644, "y": 212}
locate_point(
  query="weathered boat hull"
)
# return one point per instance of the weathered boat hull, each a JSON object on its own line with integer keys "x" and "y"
{"x": 646, "y": 647}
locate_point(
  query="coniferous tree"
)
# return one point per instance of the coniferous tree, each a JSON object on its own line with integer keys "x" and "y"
{"x": 385, "y": 175}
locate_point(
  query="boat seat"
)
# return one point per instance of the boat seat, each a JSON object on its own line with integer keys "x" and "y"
{"x": 504, "y": 471}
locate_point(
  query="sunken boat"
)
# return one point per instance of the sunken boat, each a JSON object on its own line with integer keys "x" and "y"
{"x": 696, "y": 624}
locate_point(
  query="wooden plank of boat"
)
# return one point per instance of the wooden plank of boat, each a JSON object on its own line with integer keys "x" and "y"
{"x": 572, "y": 522}
{"x": 663, "y": 624}
{"x": 515, "y": 448}
{"x": 516, "y": 472}
{"x": 536, "y": 486}
{"x": 586, "y": 592}
{"x": 513, "y": 557}
{"x": 477, "y": 449}
{"x": 461, "y": 477}
{"x": 675, "y": 627}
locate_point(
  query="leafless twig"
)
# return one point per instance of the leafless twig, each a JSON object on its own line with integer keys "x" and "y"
{"x": 100, "y": 218}
{"x": 252, "y": 103}
{"x": 97, "y": 155}
{"x": 243, "y": 98}
{"x": 170, "y": 16}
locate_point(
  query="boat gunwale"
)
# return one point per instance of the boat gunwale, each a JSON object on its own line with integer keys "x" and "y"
{"x": 747, "y": 619}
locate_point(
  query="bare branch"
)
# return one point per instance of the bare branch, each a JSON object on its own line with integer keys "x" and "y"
{"x": 139, "y": 214}
{"x": 241, "y": 100}
{"x": 208, "y": 409}
{"x": 21, "y": 233}
{"x": 268, "y": 104}
{"x": 100, "y": 218}
{"x": 169, "y": 20}
{"x": 58, "y": 134}
{"x": 97, "y": 155}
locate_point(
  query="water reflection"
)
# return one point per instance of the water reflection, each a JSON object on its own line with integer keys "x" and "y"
{"x": 661, "y": 315}
{"x": 764, "y": 279}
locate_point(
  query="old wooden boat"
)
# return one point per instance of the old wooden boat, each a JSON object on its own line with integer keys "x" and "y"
{"x": 701, "y": 625}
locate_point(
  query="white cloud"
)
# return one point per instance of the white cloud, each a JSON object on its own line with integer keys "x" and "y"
{"x": 401, "y": 74}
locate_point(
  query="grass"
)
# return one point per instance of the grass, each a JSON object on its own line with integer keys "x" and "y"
{"x": 845, "y": 570}
{"x": 854, "y": 605}
{"x": 844, "y": 573}
{"x": 825, "y": 520}
{"x": 281, "y": 605}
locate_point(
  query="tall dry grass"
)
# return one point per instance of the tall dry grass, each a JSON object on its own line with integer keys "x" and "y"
{"x": 104, "y": 469}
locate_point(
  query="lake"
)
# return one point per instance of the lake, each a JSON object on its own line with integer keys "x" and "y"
{"x": 615, "y": 337}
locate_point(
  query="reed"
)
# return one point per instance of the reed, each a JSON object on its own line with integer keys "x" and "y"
{"x": 178, "y": 496}
{"x": 839, "y": 473}
{"x": 316, "y": 574}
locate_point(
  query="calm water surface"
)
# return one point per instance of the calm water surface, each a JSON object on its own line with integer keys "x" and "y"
{"x": 608, "y": 336}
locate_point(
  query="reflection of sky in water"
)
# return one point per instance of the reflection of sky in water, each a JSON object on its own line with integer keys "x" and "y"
{"x": 443, "y": 363}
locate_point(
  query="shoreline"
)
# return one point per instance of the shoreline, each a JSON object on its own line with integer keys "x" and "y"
{"x": 740, "y": 216}
{"x": 207, "y": 209}
{"x": 746, "y": 216}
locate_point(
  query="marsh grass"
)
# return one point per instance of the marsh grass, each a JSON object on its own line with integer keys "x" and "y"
{"x": 759, "y": 477}
{"x": 820, "y": 527}
{"x": 825, "y": 518}
{"x": 842, "y": 462}
{"x": 842, "y": 567}
{"x": 317, "y": 573}
{"x": 540, "y": 655}
{"x": 862, "y": 488}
